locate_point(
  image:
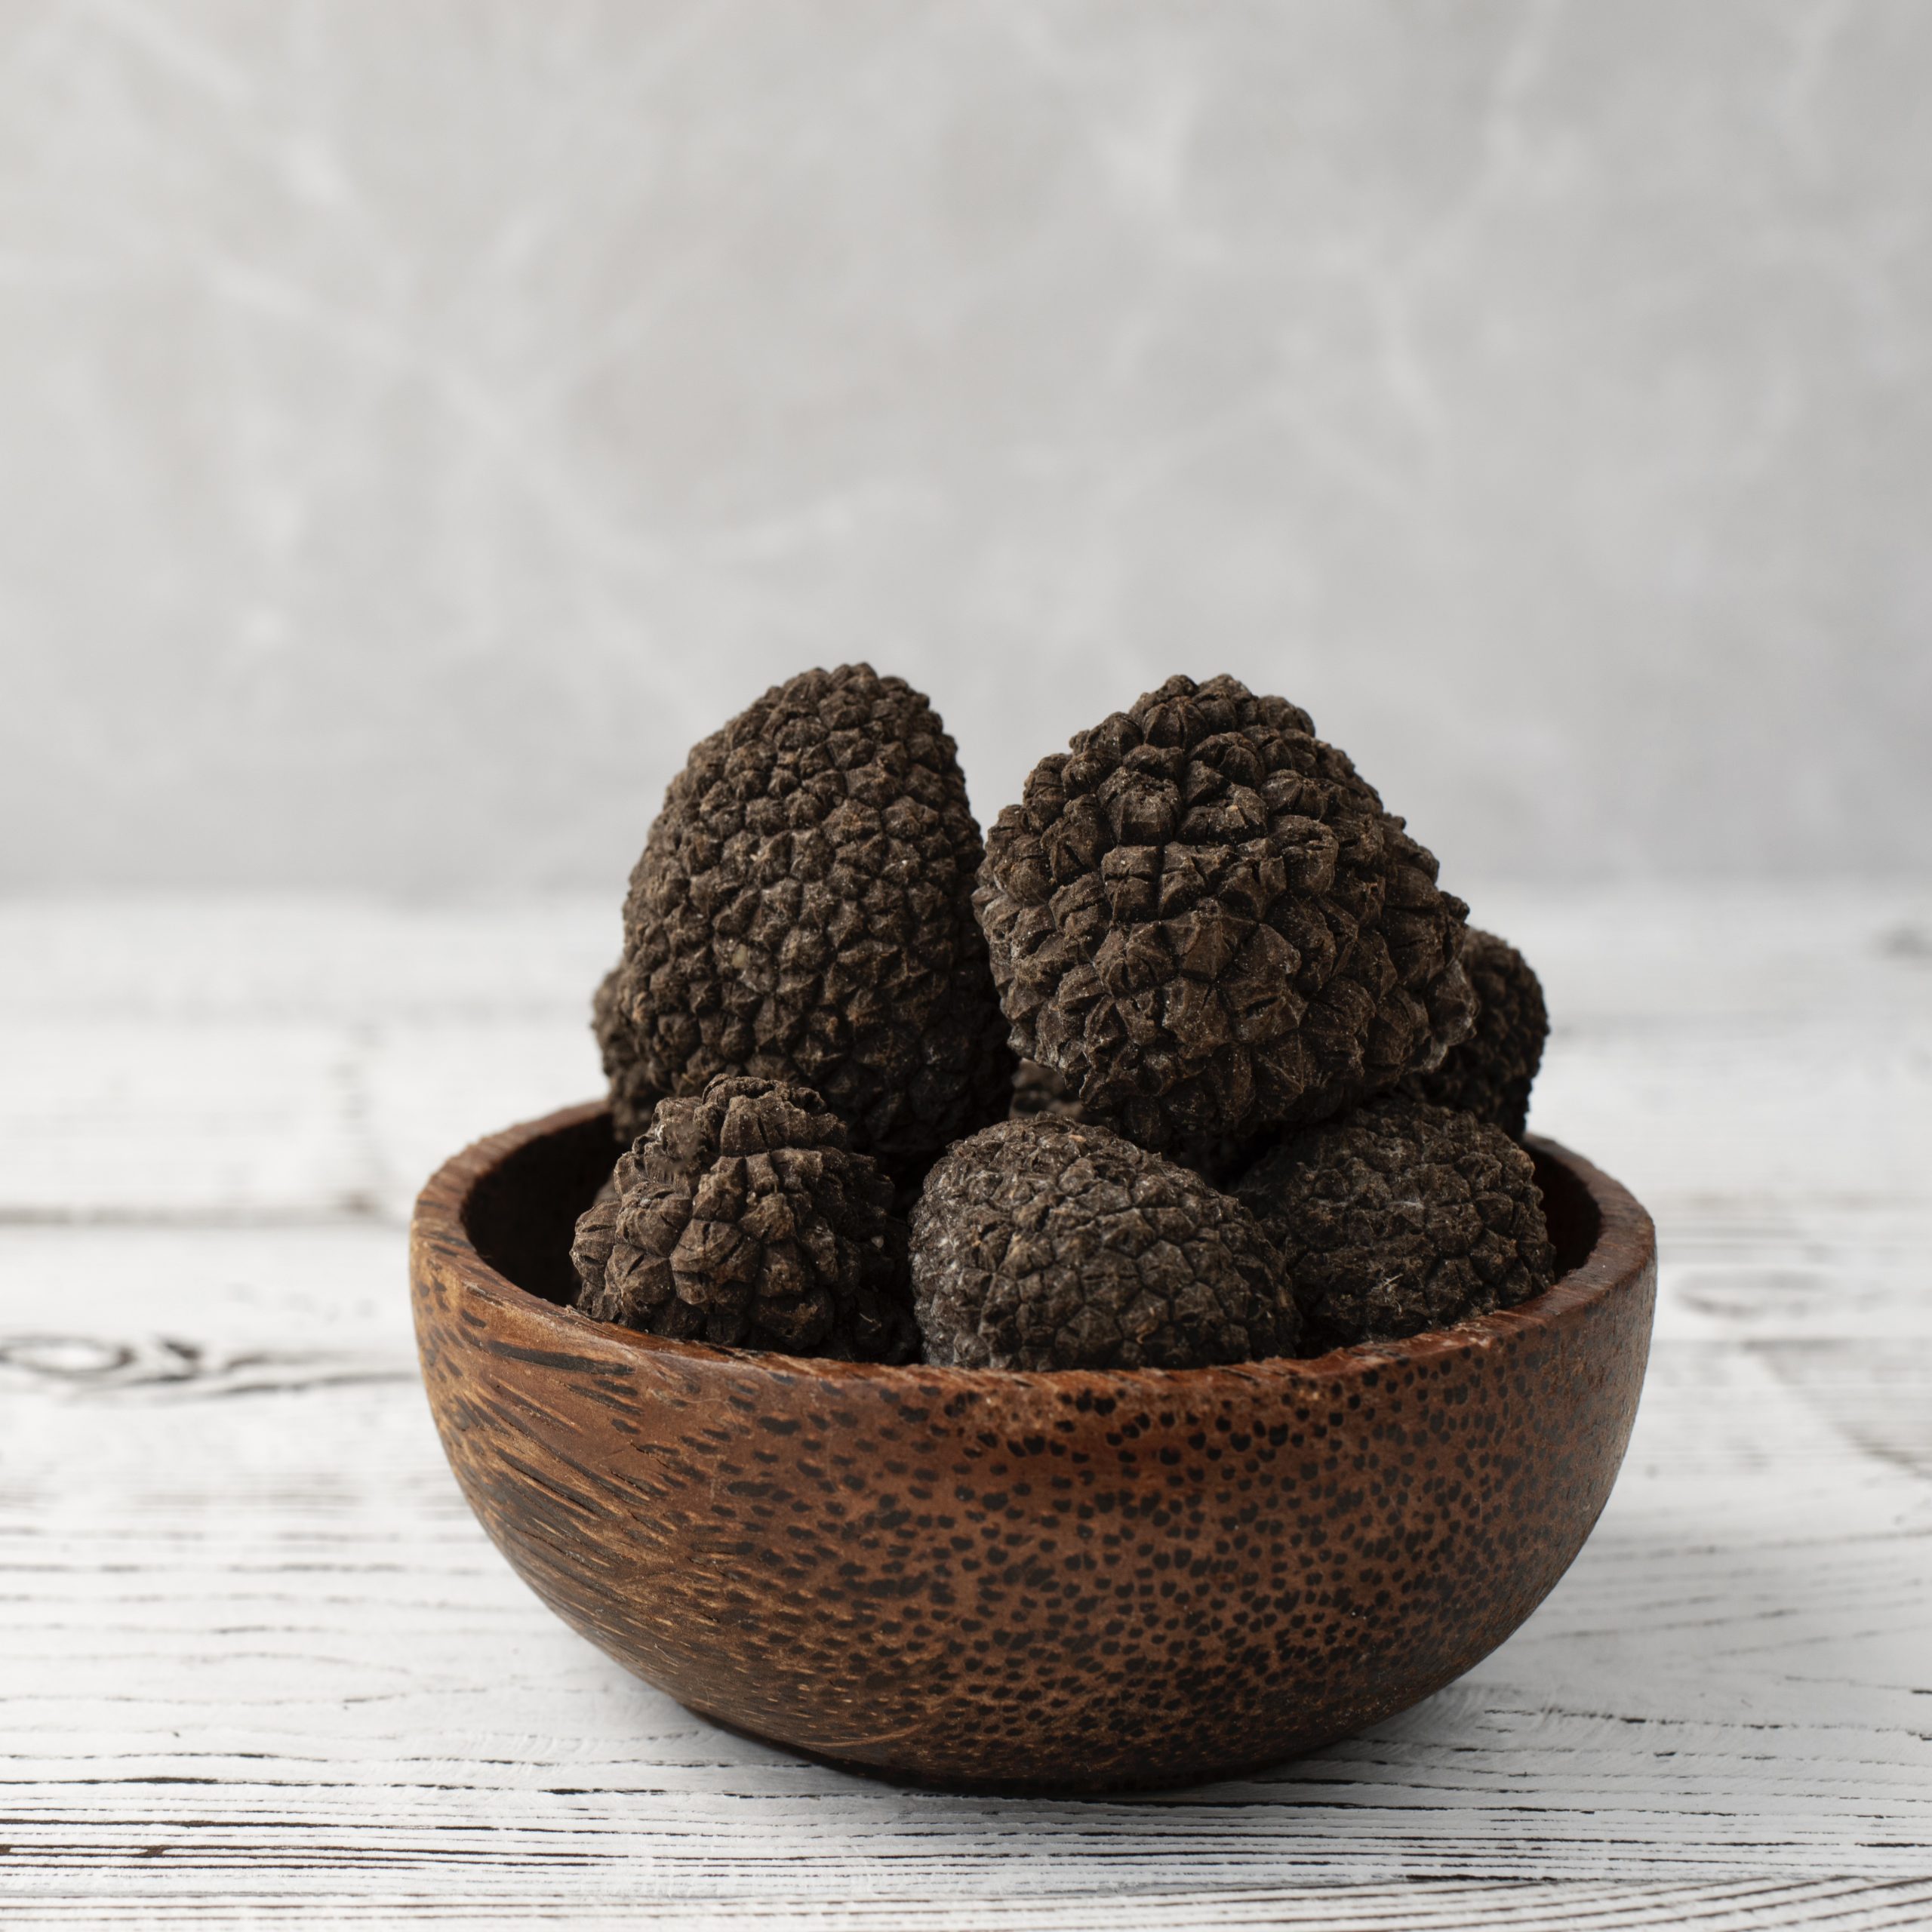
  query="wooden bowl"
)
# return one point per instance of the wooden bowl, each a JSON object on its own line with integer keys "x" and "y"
{"x": 976, "y": 1578}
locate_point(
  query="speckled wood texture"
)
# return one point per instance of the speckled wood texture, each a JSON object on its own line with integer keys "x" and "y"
{"x": 993, "y": 1579}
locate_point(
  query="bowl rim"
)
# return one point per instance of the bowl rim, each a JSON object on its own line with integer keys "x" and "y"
{"x": 1623, "y": 1252}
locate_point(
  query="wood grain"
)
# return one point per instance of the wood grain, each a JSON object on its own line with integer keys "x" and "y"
{"x": 257, "y": 1662}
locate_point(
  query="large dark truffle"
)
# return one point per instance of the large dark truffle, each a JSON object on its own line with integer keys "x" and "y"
{"x": 1204, "y": 917}
{"x": 1491, "y": 1072}
{"x": 1046, "y": 1243}
{"x": 1399, "y": 1217}
{"x": 744, "y": 1218}
{"x": 803, "y": 912}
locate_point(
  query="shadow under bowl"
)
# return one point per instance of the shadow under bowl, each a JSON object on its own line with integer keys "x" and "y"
{"x": 1075, "y": 1579}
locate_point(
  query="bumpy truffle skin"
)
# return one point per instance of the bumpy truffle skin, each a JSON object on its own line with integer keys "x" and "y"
{"x": 633, "y": 1096}
{"x": 1045, "y": 1243}
{"x": 1491, "y": 1072}
{"x": 1215, "y": 1157}
{"x": 1399, "y": 1217}
{"x": 803, "y": 912}
{"x": 744, "y": 1218}
{"x": 1204, "y": 917}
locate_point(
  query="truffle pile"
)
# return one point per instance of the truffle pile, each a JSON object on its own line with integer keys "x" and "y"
{"x": 1193, "y": 1062}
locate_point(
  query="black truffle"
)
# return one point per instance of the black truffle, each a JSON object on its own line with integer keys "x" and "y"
{"x": 1205, "y": 919}
{"x": 803, "y": 912}
{"x": 1044, "y": 1243}
{"x": 1399, "y": 1217}
{"x": 744, "y": 1218}
{"x": 1491, "y": 1072}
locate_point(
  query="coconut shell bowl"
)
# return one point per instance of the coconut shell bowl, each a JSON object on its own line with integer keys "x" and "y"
{"x": 979, "y": 1578}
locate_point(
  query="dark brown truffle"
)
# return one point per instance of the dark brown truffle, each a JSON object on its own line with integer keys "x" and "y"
{"x": 1044, "y": 1243}
{"x": 1491, "y": 1072}
{"x": 1399, "y": 1217}
{"x": 1205, "y": 919}
{"x": 744, "y": 1218}
{"x": 803, "y": 912}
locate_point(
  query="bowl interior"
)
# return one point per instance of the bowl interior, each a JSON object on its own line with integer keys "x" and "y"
{"x": 522, "y": 1212}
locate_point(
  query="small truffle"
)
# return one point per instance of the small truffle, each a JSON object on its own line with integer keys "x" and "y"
{"x": 1491, "y": 1072}
{"x": 1399, "y": 1217}
{"x": 1045, "y": 1243}
{"x": 743, "y": 1218}
{"x": 803, "y": 912}
{"x": 1205, "y": 919}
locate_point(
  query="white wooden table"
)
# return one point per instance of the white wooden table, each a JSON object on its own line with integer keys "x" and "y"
{"x": 257, "y": 1664}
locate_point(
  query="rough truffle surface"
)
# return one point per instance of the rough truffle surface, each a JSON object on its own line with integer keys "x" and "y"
{"x": 1399, "y": 1217}
{"x": 1205, "y": 919}
{"x": 1046, "y": 1243}
{"x": 633, "y": 1096}
{"x": 743, "y": 1218}
{"x": 803, "y": 912}
{"x": 1491, "y": 1072}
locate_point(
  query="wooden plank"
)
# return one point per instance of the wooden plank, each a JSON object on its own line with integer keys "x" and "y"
{"x": 261, "y": 1060}
{"x": 1843, "y": 1905}
{"x": 212, "y": 1119}
{"x": 314, "y": 957}
{"x": 1455, "y": 1906}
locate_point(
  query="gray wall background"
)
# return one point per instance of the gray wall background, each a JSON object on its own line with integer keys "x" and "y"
{"x": 419, "y": 421}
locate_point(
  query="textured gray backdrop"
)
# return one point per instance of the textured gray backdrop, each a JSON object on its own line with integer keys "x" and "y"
{"x": 417, "y": 422}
